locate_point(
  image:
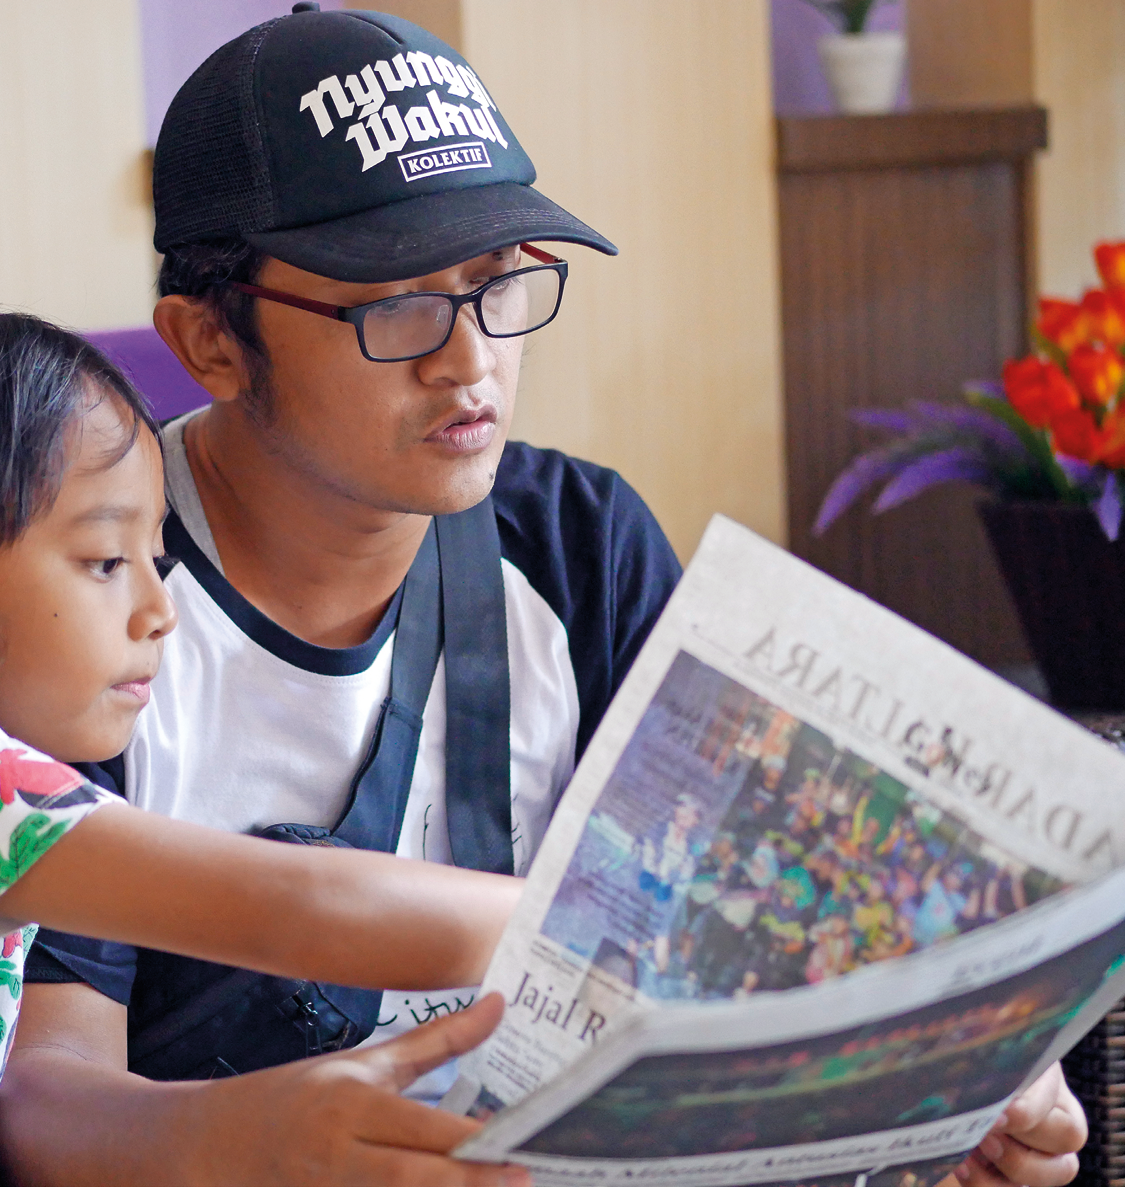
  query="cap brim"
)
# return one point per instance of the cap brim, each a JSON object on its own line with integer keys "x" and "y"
{"x": 426, "y": 234}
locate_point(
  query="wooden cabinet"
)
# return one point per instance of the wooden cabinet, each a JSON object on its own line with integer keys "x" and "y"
{"x": 906, "y": 270}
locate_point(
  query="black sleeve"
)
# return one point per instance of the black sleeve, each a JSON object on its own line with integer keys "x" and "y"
{"x": 58, "y": 957}
{"x": 594, "y": 552}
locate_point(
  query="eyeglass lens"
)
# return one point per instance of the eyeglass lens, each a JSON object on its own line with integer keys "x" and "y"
{"x": 417, "y": 323}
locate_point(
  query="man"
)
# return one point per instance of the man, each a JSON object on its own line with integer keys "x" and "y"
{"x": 323, "y": 169}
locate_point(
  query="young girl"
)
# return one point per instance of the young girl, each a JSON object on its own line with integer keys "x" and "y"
{"x": 83, "y": 614}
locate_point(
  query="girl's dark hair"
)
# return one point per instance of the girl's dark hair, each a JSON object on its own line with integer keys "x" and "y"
{"x": 46, "y": 374}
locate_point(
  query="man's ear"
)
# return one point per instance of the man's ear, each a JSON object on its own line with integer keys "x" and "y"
{"x": 209, "y": 354}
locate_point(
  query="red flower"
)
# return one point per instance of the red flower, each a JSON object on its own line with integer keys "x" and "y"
{"x": 1077, "y": 435}
{"x": 1111, "y": 264}
{"x": 1112, "y": 453}
{"x": 1040, "y": 392}
{"x": 1062, "y": 322}
{"x": 1097, "y": 373}
{"x": 12, "y": 941}
{"x": 1105, "y": 316}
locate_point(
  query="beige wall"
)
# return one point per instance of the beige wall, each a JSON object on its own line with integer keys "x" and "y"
{"x": 651, "y": 120}
{"x": 1079, "y": 56}
{"x": 970, "y": 52}
{"x": 75, "y": 221}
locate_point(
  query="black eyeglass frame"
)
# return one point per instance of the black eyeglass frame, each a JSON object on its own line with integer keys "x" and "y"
{"x": 355, "y": 314}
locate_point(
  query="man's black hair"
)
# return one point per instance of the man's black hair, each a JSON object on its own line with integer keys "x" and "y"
{"x": 204, "y": 270}
{"x": 46, "y": 376}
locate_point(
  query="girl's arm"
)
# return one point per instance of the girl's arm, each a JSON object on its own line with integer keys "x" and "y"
{"x": 370, "y": 920}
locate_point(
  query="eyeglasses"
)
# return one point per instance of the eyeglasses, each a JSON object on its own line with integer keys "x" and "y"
{"x": 411, "y": 325}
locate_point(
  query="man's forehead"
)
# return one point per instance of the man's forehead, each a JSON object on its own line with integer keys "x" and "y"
{"x": 286, "y": 274}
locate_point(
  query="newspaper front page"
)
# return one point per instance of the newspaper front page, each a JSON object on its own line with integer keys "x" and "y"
{"x": 792, "y": 787}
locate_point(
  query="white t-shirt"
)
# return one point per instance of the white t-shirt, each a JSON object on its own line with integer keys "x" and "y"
{"x": 249, "y": 726}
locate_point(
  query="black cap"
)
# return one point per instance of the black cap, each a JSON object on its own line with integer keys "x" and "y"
{"x": 350, "y": 144}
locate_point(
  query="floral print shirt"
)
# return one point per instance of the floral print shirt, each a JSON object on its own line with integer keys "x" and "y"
{"x": 41, "y": 800}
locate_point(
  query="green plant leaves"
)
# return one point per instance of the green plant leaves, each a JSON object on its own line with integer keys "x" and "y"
{"x": 1035, "y": 442}
{"x": 850, "y": 15}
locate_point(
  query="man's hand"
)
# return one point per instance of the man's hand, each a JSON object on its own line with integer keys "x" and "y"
{"x": 339, "y": 1119}
{"x": 1035, "y": 1142}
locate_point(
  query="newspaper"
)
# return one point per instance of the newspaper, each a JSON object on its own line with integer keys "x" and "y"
{"x": 810, "y": 849}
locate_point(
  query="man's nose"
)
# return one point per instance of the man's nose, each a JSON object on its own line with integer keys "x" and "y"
{"x": 466, "y": 358}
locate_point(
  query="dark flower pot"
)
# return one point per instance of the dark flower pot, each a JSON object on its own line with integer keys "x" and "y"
{"x": 1068, "y": 583}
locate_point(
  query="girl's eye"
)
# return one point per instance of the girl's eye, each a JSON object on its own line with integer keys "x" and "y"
{"x": 106, "y": 568}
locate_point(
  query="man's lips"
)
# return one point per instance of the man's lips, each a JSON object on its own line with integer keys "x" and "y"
{"x": 139, "y": 689}
{"x": 467, "y": 430}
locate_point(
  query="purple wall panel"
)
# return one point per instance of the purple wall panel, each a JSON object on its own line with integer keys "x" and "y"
{"x": 177, "y": 36}
{"x": 155, "y": 370}
{"x": 798, "y": 84}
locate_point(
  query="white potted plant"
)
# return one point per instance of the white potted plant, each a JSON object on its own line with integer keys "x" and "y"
{"x": 863, "y": 68}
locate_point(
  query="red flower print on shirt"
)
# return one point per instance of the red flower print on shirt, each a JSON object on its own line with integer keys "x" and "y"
{"x": 12, "y": 941}
{"x": 40, "y": 778}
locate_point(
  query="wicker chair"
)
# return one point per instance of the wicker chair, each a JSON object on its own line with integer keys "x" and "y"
{"x": 1095, "y": 1069}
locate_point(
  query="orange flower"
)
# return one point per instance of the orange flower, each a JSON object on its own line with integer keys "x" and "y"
{"x": 1097, "y": 373}
{"x": 1105, "y": 316}
{"x": 1111, "y": 264}
{"x": 1039, "y": 391}
{"x": 1062, "y": 322}
{"x": 1077, "y": 435}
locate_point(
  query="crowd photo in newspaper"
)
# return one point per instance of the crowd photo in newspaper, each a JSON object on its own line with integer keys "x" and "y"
{"x": 815, "y": 906}
{"x": 789, "y": 861}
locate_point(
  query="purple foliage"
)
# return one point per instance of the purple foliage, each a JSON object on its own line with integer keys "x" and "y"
{"x": 894, "y": 420}
{"x": 973, "y": 421}
{"x": 922, "y": 417}
{"x": 1078, "y": 473}
{"x": 986, "y": 387}
{"x": 1107, "y": 507}
{"x": 947, "y": 465}
{"x": 865, "y": 471}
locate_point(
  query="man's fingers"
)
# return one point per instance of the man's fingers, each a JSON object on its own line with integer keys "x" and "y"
{"x": 386, "y": 1167}
{"x": 976, "y": 1171}
{"x": 1021, "y": 1165}
{"x": 1062, "y": 1131}
{"x": 1032, "y": 1107}
{"x": 399, "y": 1062}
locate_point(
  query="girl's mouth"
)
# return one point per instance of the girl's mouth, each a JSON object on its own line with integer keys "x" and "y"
{"x": 140, "y": 690}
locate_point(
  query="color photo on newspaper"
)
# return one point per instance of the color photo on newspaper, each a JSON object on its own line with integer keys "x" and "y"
{"x": 776, "y": 859}
{"x": 952, "y": 1057}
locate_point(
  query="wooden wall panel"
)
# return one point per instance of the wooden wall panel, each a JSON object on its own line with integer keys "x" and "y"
{"x": 972, "y": 53}
{"x": 900, "y": 283}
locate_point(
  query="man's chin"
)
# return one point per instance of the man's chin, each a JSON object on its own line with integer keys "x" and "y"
{"x": 461, "y": 486}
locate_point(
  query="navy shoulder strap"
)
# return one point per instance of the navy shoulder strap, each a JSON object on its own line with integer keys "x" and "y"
{"x": 478, "y": 700}
{"x": 453, "y": 599}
